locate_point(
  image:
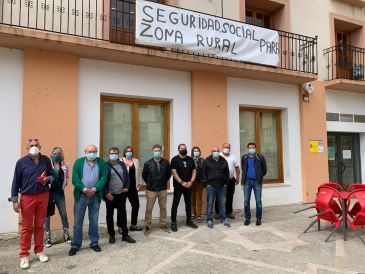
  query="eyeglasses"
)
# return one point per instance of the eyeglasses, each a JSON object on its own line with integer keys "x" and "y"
{"x": 31, "y": 140}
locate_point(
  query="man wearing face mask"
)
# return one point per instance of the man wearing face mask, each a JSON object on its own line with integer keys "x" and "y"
{"x": 156, "y": 173}
{"x": 234, "y": 175}
{"x": 184, "y": 173}
{"x": 115, "y": 190}
{"x": 89, "y": 176}
{"x": 32, "y": 176}
{"x": 253, "y": 171}
{"x": 215, "y": 174}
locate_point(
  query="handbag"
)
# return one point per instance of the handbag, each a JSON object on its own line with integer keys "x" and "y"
{"x": 51, "y": 206}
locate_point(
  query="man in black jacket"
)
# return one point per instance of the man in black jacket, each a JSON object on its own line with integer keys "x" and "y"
{"x": 156, "y": 173}
{"x": 215, "y": 173}
{"x": 253, "y": 171}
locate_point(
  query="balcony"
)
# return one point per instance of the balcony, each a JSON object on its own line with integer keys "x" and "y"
{"x": 101, "y": 29}
{"x": 345, "y": 68}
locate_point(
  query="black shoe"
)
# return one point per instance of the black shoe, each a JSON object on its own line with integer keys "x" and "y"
{"x": 174, "y": 227}
{"x": 231, "y": 216}
{"x": 247, "y": 222}
{"x": 112, "y": 239}
{"x": 96, "y": 248}
{"x": 258, "y": 222}
{"x": 191, "y": 224}
{"x": 72, "y": 251}
{"x": 135, "y": 228}
{"x": 128, "y": 239}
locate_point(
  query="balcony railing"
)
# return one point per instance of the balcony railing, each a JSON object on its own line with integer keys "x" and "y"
{"x": 114, "y": 21}
{"x": 345, "y": 62}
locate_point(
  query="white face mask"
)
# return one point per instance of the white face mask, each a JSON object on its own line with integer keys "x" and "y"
{"x": 34, "y": 151}
{"x": 226, "y": 150}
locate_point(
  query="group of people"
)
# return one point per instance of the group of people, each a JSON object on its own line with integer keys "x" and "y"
{"x": 41, "y": 182}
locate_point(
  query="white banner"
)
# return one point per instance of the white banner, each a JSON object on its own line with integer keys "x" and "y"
{"x": 170, "y": 27}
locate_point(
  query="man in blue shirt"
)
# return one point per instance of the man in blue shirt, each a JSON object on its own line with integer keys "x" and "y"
{"x": 253, "y": 171}
{"x": 32, "y": 176}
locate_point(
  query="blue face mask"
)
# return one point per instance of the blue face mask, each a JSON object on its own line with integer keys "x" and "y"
{"x": 215, "y": 154}
{"x": 196, "y": 153}
{"x": 157, "y": 154}
{"x": 113, "y": 157}
{"x": 252, "y": 151}
{"x": 91, "y": 156}
{"x": 129, "y": 154}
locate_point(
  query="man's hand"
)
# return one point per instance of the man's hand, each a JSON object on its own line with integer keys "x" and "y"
{"x": 110, "y": 197}
{"x": 45, "y": 181}
{"x": 124, "y": 190}
{"x": 237, "y": 181}
{"x": 89, "y": 192}
{"x": 16, "y": 207}
{"x": 189, "y": 184}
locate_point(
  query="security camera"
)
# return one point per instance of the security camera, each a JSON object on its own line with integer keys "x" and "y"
{"x": 308, "y": 88}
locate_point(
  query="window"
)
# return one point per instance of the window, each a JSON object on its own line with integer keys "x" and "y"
{"x": 139, "y": 123}
{"x": 122, "y": 20}
{"x": 259, "y": 19}
{"x": 263, "y": 127}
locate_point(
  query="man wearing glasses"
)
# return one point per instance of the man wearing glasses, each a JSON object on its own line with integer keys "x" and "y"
{"x": 32, "y": 176}
{"x": 89, "y": 176}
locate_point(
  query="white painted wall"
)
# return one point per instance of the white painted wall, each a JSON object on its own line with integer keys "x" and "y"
{"x": 345, "y": 102}
{"x": 11, "y": 94}
{"x": 99, "y": 77}
{"x": 251, "y": 93}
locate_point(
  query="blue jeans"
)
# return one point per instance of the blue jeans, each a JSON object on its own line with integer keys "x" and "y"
{"x": 61, "y": 206}
{"x": 93, "y": 205}
{"x": 218, "y": 193}
{"x": 257, "y": 190}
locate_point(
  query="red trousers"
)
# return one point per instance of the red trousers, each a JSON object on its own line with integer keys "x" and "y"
{"x": 33, "y": 208}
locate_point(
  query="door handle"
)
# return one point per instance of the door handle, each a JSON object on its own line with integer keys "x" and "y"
{"x": 343, "y": 168}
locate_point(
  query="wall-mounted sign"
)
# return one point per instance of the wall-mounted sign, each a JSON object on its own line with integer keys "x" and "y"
{"x": 316, "y": 146}
{"x": 170, "y": 27}
{"x": 331, "y": 154}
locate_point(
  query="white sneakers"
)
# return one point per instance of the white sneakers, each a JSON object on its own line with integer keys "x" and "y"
{"x": 42, "y": 257}
{"x": 24, "y": 263}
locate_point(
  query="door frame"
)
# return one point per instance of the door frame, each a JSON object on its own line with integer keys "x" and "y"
{"x": 356, "y": 158}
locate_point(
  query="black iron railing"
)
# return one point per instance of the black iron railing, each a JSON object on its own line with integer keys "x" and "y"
{"x": 346, "y": 62}
{"x": 114, "y": 20}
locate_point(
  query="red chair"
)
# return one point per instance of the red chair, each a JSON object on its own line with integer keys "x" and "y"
{"x": 356, "y": 206}
{"x": 358, "y": 221}
{"x": 325, "y": 212}
{"x": 334, "y": 205}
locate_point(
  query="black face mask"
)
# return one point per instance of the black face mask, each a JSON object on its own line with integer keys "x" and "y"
{"x": 183, "y": 152}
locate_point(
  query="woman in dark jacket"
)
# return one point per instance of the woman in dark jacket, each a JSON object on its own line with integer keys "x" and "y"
{"x": 198, "y": 186}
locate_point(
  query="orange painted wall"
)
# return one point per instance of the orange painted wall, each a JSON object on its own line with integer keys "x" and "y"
{"x": 209, "y": 110}
{"x": 313, "y": 127}
{"x": 50, "y": 98}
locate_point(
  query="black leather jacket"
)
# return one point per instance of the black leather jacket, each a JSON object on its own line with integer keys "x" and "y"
{"x": 156, "y": 180}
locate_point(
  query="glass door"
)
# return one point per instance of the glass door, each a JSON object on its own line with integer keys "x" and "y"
{"x": 344, "y": 158}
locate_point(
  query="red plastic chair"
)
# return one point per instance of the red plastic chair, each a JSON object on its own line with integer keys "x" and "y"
{"x": 324, "y": 210}
{"x": 356, "y": 206}
{"x": 335, "y": 202}
{"x": 358, "y": 221}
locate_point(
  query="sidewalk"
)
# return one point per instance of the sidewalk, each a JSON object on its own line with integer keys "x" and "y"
{"x": 278, "y": 246}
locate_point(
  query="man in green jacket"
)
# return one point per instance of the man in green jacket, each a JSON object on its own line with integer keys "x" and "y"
{"x": 89, "y": 175}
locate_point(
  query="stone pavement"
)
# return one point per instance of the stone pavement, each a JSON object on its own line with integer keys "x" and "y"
{"x": 278, "y": 246}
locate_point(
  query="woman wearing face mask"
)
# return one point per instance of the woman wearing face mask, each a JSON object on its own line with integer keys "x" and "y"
{"x": 198, "y": 186}
{"x": 61, "y": 176}
{"x": 135, "y": 183}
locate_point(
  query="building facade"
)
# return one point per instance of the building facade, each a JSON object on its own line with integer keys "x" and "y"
{"x": 71, "y": 75}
